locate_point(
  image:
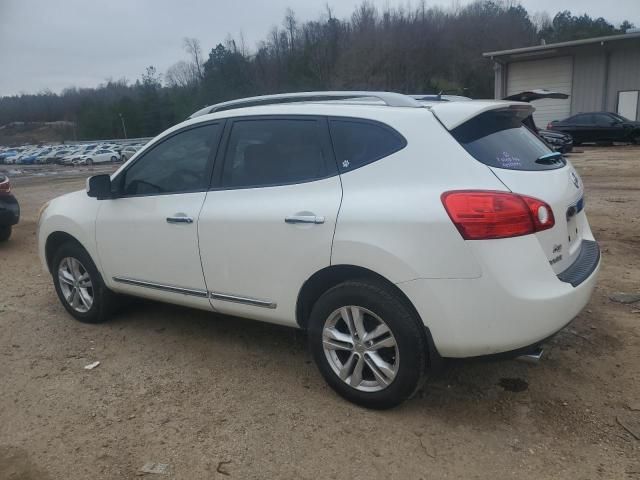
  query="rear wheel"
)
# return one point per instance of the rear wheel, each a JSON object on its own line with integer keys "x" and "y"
{"x": 5, "y": 233}
{"x": 368, "y": 344}
{"x": 114, "y": 159}
{"x": 79, "y": 285}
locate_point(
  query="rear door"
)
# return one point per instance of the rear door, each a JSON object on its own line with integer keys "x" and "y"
{"x": 268, "y": 222}
{"x": 527, "y": 166}
{"x": 580, "y": 127}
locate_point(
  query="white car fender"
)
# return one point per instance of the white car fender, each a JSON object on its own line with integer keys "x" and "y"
{"x": 80, "y": 225}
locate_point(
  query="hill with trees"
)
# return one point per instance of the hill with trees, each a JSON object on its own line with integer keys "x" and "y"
{"x": 418, "y": 50}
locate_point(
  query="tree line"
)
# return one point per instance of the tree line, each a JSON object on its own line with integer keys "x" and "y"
{"x": 411, "y": 50}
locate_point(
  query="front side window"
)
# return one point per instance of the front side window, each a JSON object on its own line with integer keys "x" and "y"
{"x": 264, "y": 152}
{"x": 178, "y": 164}
{"x": 357, "y": 142}
{"x": 602, "y": 119}
{"x": 499, "y": 139}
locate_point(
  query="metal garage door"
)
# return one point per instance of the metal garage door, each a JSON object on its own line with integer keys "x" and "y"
{"x": 551, "y": 73}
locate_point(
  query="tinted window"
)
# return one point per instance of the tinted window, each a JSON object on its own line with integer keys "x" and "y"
{"x": 357, "y": 143}
{"x": 602, "y": 119}
{"x": 274, "y": 151}
{"x": 178, "y": 164}
{"x": 498, "y": 139}
{"x": 619, "y": 117}
{"x": 581, "y": 120}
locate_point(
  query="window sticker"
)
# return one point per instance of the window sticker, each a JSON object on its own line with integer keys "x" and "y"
{"x": 506, "y": 160}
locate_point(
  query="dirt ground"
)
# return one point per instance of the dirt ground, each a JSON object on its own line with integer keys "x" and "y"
{"x": 220, "y": 397}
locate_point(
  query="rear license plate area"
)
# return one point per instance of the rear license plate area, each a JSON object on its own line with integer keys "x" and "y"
{"x": 573, "y": 228}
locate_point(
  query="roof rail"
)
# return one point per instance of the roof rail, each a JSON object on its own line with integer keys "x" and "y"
{"x": 391, "y": 99}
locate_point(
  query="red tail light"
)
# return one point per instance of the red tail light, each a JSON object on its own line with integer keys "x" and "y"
{"x": 5, "y": 186}
{"x": 480, "y": 214}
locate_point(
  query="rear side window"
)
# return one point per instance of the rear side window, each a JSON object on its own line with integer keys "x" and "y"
{"x": 358, "y": 142}
{"x": 499, "y": 139}
{"x": 266, "y": 152}
{"x": 581, "y": 119}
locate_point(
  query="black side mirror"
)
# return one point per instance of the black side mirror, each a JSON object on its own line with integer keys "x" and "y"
{"x": 99, "y": 186}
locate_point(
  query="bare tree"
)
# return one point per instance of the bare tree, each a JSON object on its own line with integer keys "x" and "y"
{"x": 192, "y": 46}
{"x": 181, "y": 74}
{"x": 290, "y": 25}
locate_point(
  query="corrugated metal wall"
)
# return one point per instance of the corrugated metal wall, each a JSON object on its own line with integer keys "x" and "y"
{"x": 624, "y": 74}
{"x": 589, "y": 70}
{"x": 599, "y": 73}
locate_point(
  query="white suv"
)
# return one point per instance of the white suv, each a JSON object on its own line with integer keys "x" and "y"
{"x": 395, "y": 232}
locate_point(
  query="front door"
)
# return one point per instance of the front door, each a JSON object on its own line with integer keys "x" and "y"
{"x": 147, "y": 237}
{"x": 268, "y": 223}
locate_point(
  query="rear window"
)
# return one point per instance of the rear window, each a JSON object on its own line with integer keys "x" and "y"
{"x": 359, "y": 142}
{"x": 499, "y": 139}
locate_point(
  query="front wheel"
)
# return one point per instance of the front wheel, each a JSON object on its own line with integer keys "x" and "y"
{"x": 114, "y": 159}
{"x": 368, "y": 344}
{"x": 89, "y": 162}
{"x": 79, "y": 285}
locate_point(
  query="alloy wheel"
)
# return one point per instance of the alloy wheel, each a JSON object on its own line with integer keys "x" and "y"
{"x": 360, "y": 348}
{"x": 75, "y": 284}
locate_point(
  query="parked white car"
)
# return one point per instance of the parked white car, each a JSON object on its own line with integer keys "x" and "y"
{"x": 99, "y": 155}
{"x": 128, "y": 152}
{"x": 395, "y": 232}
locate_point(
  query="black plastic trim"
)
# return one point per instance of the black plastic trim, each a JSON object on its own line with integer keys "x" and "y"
{"x": 584, "y": 266}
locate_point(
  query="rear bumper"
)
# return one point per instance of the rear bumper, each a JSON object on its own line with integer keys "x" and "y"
{"x": 517, "y": 302}
{"x": 9, "y": 211}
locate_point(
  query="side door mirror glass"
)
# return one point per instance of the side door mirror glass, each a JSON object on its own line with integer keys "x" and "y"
{"x": 99, "y": 186}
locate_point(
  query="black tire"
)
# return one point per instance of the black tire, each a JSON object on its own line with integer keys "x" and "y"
{"x": 89, "y": 162}
{"x": 404, "y": 324}
{"x": 104, "y": 300}
{"x": 5, "y": 233}
{"x": 114, "y": 159}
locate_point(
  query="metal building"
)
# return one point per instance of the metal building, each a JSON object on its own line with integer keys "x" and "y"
{"x": 598, "y": 73}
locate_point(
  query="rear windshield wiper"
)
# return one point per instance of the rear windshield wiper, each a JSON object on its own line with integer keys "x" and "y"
{"x": 548, "y": 158}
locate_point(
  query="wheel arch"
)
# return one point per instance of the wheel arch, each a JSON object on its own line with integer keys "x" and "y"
{"x": 54, "y": 241}
{"x": 330, "y": 276}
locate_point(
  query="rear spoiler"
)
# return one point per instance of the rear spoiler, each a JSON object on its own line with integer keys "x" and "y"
{"x": 454, "y": 114}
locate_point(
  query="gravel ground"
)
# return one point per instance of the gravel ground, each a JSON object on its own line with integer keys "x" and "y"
{"x": 220, "y": 397}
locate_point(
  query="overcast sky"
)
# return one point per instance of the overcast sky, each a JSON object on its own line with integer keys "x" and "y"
{"x": 47, "y": 44}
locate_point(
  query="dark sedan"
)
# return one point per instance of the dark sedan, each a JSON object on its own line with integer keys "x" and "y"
{"x": 9, "y": 209}
{"x": 600, "y": 127}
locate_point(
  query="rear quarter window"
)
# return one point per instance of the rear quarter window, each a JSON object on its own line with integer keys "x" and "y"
{"x": 359, "y": 142}
{"x": 499, "y": 139}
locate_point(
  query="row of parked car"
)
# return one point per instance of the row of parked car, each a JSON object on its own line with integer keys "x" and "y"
{"x": 86, "y": 154}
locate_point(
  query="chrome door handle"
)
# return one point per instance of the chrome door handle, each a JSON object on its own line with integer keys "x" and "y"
{"x": 179, "y": 219}
{"x": 304, "y": 219}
